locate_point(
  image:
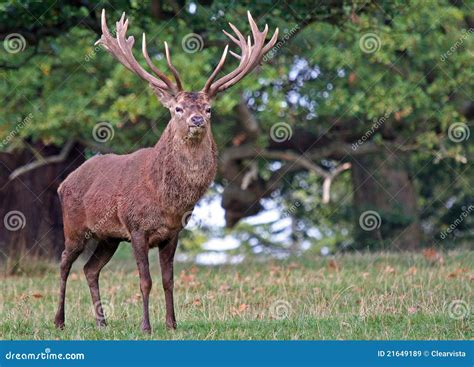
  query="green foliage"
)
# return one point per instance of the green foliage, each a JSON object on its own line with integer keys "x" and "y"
{"x": 420, "y": 76}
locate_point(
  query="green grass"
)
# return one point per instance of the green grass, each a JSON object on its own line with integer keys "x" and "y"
{"x": 357, "y": 296}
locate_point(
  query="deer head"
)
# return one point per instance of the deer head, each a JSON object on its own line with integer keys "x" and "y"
{"x": 190, "y": 111}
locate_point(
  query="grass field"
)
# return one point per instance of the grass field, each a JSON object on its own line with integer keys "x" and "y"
{"x": 370, "y": 296}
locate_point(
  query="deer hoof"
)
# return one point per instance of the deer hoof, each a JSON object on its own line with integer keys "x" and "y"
{"x": 101, "y": 324}
{"x": 171, "y": 325}
{"x": 59, "y": 324}
{"x": 146, "y": 328}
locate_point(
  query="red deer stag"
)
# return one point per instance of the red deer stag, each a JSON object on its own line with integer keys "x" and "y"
{"x": 142, "y": 197}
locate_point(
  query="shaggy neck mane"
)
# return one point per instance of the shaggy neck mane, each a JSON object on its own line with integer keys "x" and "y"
{"x": 182, "y": 169}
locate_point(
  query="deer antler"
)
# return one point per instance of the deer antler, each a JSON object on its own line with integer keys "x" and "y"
{"x": 251, "y": 56}
{"x": 121, "y": 48}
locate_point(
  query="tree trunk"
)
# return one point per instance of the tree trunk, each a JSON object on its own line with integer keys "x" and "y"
{"x": 384, "y": 202}
{"x": 30, "y": 212}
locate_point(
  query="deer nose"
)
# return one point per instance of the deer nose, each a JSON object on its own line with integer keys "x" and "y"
{"x": 197, "y": 120}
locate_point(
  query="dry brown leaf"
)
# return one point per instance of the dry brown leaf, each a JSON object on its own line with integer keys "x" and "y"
{"x": 186, "y": 278}
{"x": 433, "y": 256}
{"x": 243, "y": 307}
{"x": 134, "y": 299}
{"x": 224, "y": 288}
{"x": 412, "y": 310}
{"x": 457, "y": 272}
{"x": 274, "y": 270}
{"x": 293, "y": 266}
{"x": 239, "y": 310}
{"x": 37, "y": 295}
{"x": 411, "y": 271}
{"x": 333, "y": 265}
{"x": 389, "y": 270}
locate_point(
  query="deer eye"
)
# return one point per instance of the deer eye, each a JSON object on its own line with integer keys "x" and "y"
{"x": 178, "y": 110}
{"x": 208, "y": 110}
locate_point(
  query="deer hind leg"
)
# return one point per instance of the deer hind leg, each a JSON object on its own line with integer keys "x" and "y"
{"x": 140, "y": 250}
{"x": 167, "y": 252}
{"x": 101, "y": 256}
{"x": 70, "y": 254}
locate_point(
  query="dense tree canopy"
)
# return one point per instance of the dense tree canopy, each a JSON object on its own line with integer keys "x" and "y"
{"x": 361, "y": 107}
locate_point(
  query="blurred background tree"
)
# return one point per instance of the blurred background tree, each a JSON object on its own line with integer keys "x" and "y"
{"x": 353, "y": 134}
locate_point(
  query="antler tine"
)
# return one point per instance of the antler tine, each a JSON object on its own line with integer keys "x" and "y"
{"x": 239, "y": 42}
{"x": 125, "y": 46}
{"x": 237, "y": 32}
{"x": 152, "y": 66}
{"x": 237, "y": 56}
{"x": 243, "y": 58}
{"x": 172, "y": 68}
{"x": 121, "y": 48}
{"x": 251, "y": 56}
{"x": 232, "y": 38}
{"x": 217, "y": 69}
{"x": 271, "y": 43}
{"x": 247, "y": 60}
{"x": 253, "y": 25}
{"x": 259, "y": 40}
{"x": 109, "y": 43}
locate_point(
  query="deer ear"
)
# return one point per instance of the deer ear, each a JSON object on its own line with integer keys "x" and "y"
{"x": 166, "y": 99}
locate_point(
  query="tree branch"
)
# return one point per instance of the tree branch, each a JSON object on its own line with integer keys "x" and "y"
{"x": 330, "y": 178}
{"x": 61, "y": 157}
